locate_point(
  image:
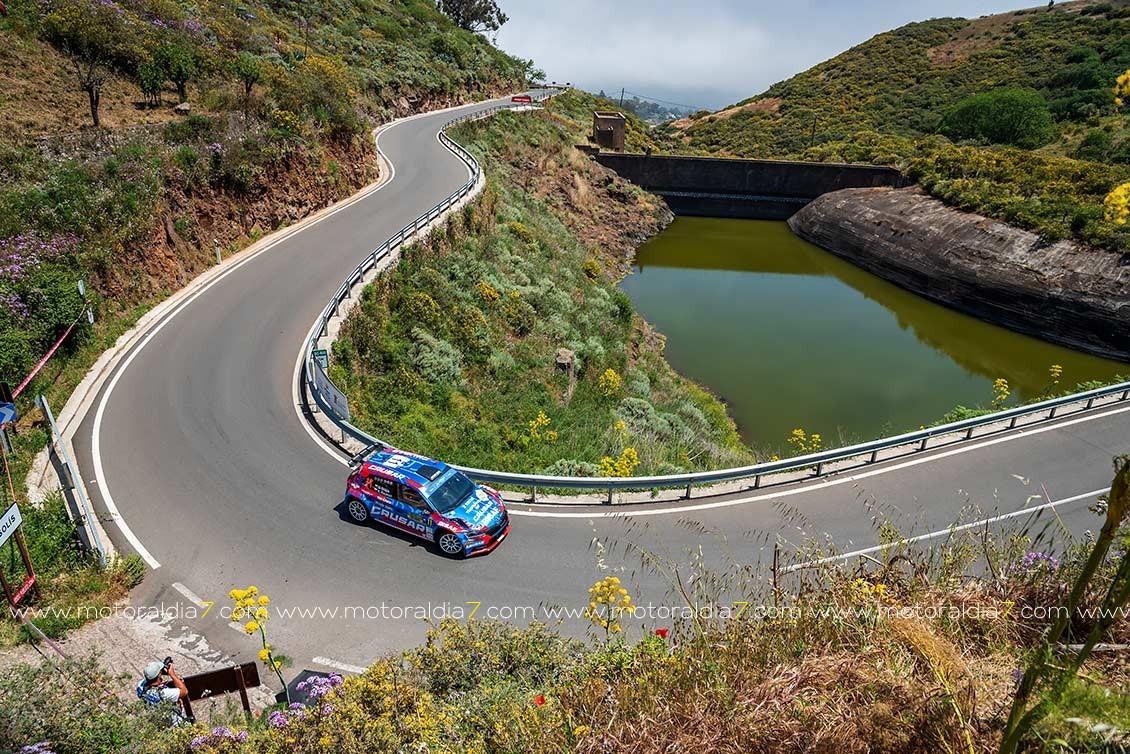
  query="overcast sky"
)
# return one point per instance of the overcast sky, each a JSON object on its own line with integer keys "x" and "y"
{"x": 704, "y": 52}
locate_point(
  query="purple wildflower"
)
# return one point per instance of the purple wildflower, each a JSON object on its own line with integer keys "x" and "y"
{"x": 1017, "y": 675}
{"x": 199, "y": 741}
{"x": 278, "y": 719}
{"x": 43, "y": 747}
{"x": 1035, "y": 561}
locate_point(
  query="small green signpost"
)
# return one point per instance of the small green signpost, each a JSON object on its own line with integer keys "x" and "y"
{"x": 322, "y": 358}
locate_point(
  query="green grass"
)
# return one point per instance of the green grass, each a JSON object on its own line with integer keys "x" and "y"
{"x": 73, "y": 588}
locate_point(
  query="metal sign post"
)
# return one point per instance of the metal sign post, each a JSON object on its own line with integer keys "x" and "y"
{"x": 10, "y": 524}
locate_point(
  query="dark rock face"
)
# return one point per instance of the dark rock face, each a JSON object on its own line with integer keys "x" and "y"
{"x": 1062, "y": 292}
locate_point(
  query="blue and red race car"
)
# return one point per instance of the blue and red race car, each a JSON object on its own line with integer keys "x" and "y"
{"x": 426, "y": 498}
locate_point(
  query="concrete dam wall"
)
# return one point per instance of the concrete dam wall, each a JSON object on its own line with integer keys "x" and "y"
{"x": 1062, "y": 292}
{"x": 756, "y": 189}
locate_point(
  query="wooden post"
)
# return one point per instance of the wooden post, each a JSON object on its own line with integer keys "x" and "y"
{"x": 243, "y": 690}
{"x": 7, "y": 590}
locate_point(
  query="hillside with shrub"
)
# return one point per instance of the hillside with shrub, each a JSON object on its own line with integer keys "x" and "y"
{"x": 217, "y": 124}
{"x": 1014, "y": 116}
{"x": 504, "y": 342}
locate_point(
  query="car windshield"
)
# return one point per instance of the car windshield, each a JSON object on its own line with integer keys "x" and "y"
{"x": 451, "y": 492}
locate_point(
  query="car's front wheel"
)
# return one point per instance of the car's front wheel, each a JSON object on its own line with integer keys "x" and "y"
{"x": 450, "y": 544}
{"x": 357, "y": 510}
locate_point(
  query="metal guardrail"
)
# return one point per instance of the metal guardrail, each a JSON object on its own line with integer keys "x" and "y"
{"x": 817, "y": 462}
{"x": 73, "y": 481}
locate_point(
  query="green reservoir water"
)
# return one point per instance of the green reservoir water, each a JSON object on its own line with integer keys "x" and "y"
{"x": 792, "y": 336}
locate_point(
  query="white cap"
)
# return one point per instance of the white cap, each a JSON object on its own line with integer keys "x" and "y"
{"x": 152, "y": 670}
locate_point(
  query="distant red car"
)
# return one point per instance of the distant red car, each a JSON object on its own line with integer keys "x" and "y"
{"x": 523, "y": 98}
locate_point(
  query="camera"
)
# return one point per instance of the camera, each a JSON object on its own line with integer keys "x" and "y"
{"x": 167, "y": 662}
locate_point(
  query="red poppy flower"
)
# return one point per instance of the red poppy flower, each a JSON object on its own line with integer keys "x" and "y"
{"x": 539, "y": 700}
{"x": 662, "y": 633}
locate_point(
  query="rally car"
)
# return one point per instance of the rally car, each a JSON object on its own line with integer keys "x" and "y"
{"x": 428, "y": 499}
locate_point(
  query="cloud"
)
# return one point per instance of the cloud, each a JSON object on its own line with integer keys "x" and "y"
{"x": 684, "y": 47}
{"x": 703, "y": 52}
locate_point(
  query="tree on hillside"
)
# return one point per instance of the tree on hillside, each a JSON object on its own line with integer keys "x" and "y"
{"x": 88, "y": 35}
{"x": 179, "y": 63}
{"x": 1017, "y": 117}
{"x": 473, "y": 15}
{"x": 248, "y": 69}
{"x": 151, "y": 79}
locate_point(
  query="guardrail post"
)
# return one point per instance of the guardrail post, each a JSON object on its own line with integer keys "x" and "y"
{"x": 874, "y": 456}
{"x": 688, "y": 490}
{"x": 1012, "y": 423}
{"x": 534, "y": 494}
{"x": 610, "y": 496}
{"x": 922, "y": 445}
{"x": 1125, "y": 395}
{"x": 1051, "y": 414}
{"x": 969, "y": 434}
{"x": 819, "y": 468}
{"x": 757, "y": 481}
{"x": 1090, "y": 402}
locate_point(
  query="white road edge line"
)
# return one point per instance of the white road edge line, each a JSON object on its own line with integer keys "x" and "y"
{"x": 96, "y": 439}
{"x": 343, "y": 666}
{"x": 190, "y": 595}
{"x": 831, "y": 482}
{"x": 944, "y": 532}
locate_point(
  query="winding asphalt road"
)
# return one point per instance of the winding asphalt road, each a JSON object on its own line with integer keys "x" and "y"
{"x": 195, "y": 443}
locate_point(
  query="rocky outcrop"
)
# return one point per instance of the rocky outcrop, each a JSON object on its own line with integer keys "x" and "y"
{"x": 1063, "y": 292}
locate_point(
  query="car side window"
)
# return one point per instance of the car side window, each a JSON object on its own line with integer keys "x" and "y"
{"x": 411, "y": 497}
{"x": 379, "y": 485}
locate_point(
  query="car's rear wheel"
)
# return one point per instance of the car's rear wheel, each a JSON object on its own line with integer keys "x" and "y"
{"x": 357, "y": 510}
{"x": 450, "y": 544}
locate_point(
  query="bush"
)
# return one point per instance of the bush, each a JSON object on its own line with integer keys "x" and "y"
{"x": 1017, "y": 117}
{"x": 436, "y": 360}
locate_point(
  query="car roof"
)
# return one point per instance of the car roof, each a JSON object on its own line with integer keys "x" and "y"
{"x": 414, "y": 470}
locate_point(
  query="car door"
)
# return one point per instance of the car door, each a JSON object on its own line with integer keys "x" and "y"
{"x": 411, "y": 512}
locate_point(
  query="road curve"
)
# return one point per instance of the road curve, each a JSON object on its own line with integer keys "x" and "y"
{"x": 195, "y": 439}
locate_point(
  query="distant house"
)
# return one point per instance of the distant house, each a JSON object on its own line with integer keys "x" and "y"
{"x": 609, "y": 129}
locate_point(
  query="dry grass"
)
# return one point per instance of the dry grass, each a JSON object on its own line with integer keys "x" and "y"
{"x": 38, "y": 96}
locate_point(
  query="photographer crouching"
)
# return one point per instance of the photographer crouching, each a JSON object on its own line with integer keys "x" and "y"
{"x": 161, "y": 684}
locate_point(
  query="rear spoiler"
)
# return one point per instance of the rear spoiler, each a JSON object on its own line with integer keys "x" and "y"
{"x": 359, "y": 458}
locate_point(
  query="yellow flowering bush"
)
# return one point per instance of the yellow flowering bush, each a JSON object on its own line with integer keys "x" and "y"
{"x": 1116, "y": 205}
{"x": 608, "y": 603}
{"x": 625, "y": 465}
{"x": 610, "y": 382}
{"x": 488, "y": 292}
{"x": 539, "y": 428}
{"x": 1001, "y": 392}
{"x": 1055, "y": 372}
{"x": 802, "y": 442}
{"x": 250, "y": 604}
{"x": 591, "y": 268}
{"x": 1122, "y": 89}
{"x": 864, "y": 591}
{"x": 285, "y": 120}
